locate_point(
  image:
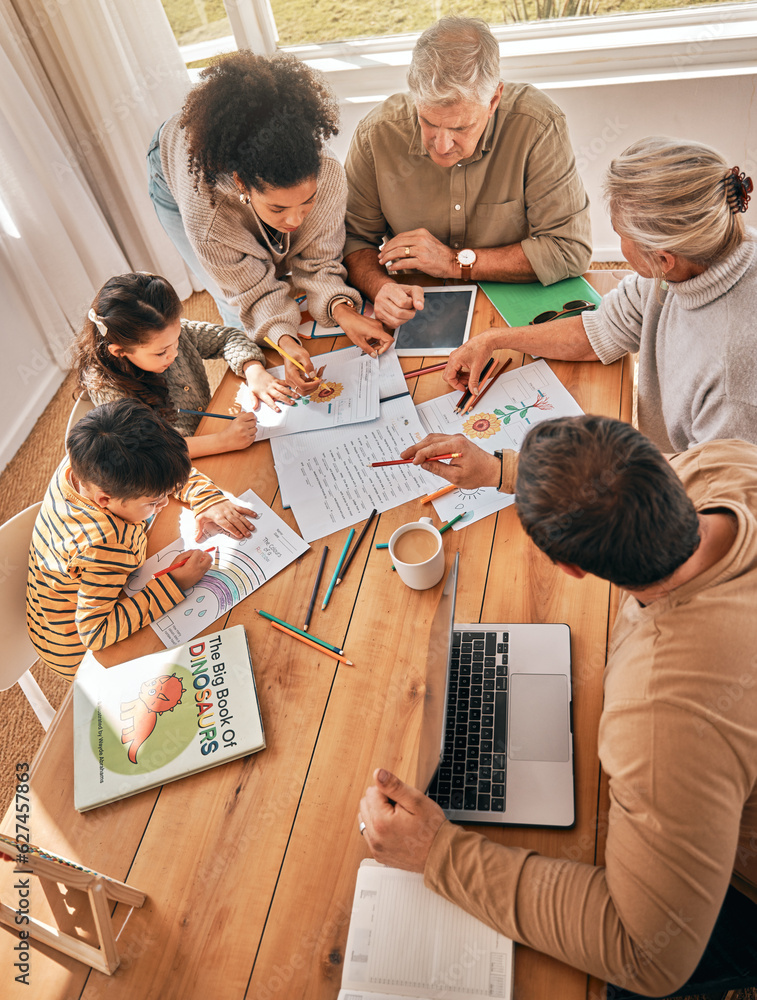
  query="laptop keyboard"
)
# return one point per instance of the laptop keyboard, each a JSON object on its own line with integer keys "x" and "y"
{"x": 472, "y": 773}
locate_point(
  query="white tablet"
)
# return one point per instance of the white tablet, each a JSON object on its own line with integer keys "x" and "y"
{"x": 442, "y": 325}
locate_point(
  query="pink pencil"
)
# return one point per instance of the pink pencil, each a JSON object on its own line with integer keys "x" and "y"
{"x": 162, "y": 572}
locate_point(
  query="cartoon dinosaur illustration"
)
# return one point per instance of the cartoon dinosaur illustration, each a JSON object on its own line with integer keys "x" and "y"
{"x": 161, "y": 694}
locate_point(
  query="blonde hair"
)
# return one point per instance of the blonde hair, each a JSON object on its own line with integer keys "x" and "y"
{"x": 456, "y": 59}
{"x": 671, "y": 195}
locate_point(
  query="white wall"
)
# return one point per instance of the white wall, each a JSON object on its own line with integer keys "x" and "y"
{"x": 604, "y": 119}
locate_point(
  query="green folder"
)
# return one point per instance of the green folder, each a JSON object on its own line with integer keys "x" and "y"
{"x": 518, "y": 304}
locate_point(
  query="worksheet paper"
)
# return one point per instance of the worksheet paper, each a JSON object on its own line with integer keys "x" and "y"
{"x": 240, "y": 567}
{"x": 406, "y": 941}
{"x": 518, "y": 400}
{"x": 348, "y": 394}
{"x": 325, "y": 478}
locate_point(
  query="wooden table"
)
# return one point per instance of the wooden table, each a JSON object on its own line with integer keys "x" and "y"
{"x": 249, "y": 868}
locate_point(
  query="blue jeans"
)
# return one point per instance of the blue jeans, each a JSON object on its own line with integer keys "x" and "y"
{"x": 730, "y": 958}
{"x": 170, "y": 219}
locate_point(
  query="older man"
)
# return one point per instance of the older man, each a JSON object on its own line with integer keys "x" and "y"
{"x": 465, "y": 177}
{"x": 678, "y": 733}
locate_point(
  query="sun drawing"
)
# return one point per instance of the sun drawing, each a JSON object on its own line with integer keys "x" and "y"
{"x": 327, "y": 392}
{"x": 481, "y": 425}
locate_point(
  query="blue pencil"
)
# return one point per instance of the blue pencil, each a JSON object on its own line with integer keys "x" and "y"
{"x": 204, "y": 413}
{"x": 338, "y": 568}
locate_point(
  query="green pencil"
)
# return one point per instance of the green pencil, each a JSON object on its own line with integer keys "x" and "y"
{"x": 450, "y": 523}
{"x": 280, "y": 621}
{"x": 338, "y": 569}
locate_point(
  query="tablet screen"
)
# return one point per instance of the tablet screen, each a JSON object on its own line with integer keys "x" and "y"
{"x": 442, "y": 325}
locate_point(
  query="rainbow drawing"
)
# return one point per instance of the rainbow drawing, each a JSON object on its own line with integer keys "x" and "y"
{"x": 239, "y": 576}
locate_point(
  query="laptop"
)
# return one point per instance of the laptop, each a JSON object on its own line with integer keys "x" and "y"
{"x": 496, "y": 735}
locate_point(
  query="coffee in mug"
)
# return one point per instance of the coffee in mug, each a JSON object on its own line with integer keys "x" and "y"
{"x": 417, "y": 553}
{"x": 415, "y": 546}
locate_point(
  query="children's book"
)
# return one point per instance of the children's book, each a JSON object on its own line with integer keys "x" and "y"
{"x": 405, "y": 941}
{"x": 163, "y": 716}
{"x": 519, "y": 304}
{"x": 310, "y": 330}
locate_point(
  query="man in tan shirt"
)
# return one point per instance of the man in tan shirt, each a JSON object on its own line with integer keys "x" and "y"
{"x": 465, "y": 177}
{"x": 678, "y": 732}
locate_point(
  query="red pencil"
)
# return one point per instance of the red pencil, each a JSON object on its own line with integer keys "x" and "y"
{"x": 474, "y": 400}
{"x": 162, "y": 572}
{"x": 408, "y": 461}
{"x": 426, "y": 371}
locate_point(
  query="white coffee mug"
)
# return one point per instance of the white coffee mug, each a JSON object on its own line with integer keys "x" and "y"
{"x": 422, "y": 573}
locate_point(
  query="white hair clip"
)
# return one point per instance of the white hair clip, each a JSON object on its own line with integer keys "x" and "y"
{"x": 99, "y": 322}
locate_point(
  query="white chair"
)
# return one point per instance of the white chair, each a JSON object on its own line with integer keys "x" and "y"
{"x": 82, "y": 406}
{"x": 18, "y": 652}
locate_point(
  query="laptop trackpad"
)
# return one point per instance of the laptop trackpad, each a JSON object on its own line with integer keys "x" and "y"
{"x": 539, "y": 723}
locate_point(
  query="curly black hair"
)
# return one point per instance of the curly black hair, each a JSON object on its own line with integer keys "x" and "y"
{"x": 265, "y": 118}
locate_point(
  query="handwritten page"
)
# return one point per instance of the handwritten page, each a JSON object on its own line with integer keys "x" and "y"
{"x": 241, "y": 567}
{"x": 324, "y": 475}
{"x": 348, "y": 394}
{"x": 518, "y": 400}
{"x": 406, "y": 941}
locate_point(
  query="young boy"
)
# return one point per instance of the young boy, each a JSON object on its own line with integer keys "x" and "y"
{"x": 91, "y": 532}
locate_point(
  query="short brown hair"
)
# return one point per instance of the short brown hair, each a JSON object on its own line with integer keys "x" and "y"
{"x": 595, "y": 493}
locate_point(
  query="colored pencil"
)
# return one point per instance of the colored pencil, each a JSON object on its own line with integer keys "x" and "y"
{"x": 317, "y": 584}
{"x": 338, "y": 569}
{"x": 426, "y": 371}
{"x": 448, "y": 525}
{"x": 439, "y": 493}
{"x": 162, "y": 572}
{"x": 382, "y": 545}
{"x": 293, "y": 628}
{"x": 474, "y": 400}
{"x": 284, "y": 354}
{"x": 409, "y": 461}
{"x": 467, "y": 394}
{"x": 204, "y": 413}
{"x": 356, "y": 546}
{"x": 308, "y": 642}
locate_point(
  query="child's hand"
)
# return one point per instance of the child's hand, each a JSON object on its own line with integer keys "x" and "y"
{"x": 194, "y": 569}
{"x": 241, "y": 432}
{"x": 267, "y": 389}
{"x": 225, "y": 516}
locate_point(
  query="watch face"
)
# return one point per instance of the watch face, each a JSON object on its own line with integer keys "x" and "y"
{"x": 466, "y": 258}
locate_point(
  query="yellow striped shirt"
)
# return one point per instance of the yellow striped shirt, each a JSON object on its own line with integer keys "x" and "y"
{"x": 79, "y": 559}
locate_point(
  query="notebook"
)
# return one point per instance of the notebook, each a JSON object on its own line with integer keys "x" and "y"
{"x": 518, "y": 304}
{"x": 496, "y": 736}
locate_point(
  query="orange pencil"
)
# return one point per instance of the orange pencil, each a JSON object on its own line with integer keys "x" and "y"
{"x": 162, "y": 572}
{"x": 475, "y": 399}
{"x": 439, "y": 493}
{"x": 321, "y": 649}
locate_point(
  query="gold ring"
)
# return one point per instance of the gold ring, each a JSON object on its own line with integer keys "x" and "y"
{"x": 407, "y": 251}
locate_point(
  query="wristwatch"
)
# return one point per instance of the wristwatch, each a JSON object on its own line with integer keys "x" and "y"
{"x": 466, "y": 259}
{"x": 337, "y": 301}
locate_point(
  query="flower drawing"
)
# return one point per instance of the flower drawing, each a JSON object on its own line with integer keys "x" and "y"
{"x": 540, "y": 403}
{"x": 326, "y": 392}
{"x": 481, "y": 425}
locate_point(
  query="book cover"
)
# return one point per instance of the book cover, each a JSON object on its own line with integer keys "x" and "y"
{"x": 518, "y": 304}
{"x": 163, "y": 716}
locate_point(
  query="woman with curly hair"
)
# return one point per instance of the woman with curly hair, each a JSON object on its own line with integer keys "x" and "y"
{"x": 243, "y": 184}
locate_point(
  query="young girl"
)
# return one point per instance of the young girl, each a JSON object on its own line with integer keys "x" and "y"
{"x": 134, "y": 343}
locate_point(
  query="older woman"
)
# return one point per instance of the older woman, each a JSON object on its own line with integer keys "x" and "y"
{"x": 688, "y": 312}
{"x": 245, "y": 188}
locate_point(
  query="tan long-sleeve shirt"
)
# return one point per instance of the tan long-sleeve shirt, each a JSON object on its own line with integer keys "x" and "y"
{"x": 520, "y": 185}
{"x": 678, "y": 741}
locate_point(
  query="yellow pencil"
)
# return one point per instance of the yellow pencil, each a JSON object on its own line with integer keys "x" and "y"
{"x": 321, "y": 649}
{"x": 289, "y": 357}
{"x": 439, "y": 493}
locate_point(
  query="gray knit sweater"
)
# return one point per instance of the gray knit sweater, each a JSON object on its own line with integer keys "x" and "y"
{"x": 186, "y": 378}
{"x": 696, "y": 343}
{"x": 233, "y": 246}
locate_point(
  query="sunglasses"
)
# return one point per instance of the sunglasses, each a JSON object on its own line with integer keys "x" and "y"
{"x": 577, "y": 305}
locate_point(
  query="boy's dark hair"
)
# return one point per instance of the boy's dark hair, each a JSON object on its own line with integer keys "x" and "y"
{"x": 595, "y": 493}
{"x": 132, "y": 308}
{"x": 265, "y": 118}
{"x": 128, "y": 451}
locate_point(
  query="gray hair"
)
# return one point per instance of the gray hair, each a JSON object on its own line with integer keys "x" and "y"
{"x": 456, "y": 59}
{"x": 671, "y": 195}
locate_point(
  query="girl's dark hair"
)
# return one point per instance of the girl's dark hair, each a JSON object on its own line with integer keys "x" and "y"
{"x": 265, "y": 118}
{"x": 127, "y": 450}
{"x": 130, "y": 308}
